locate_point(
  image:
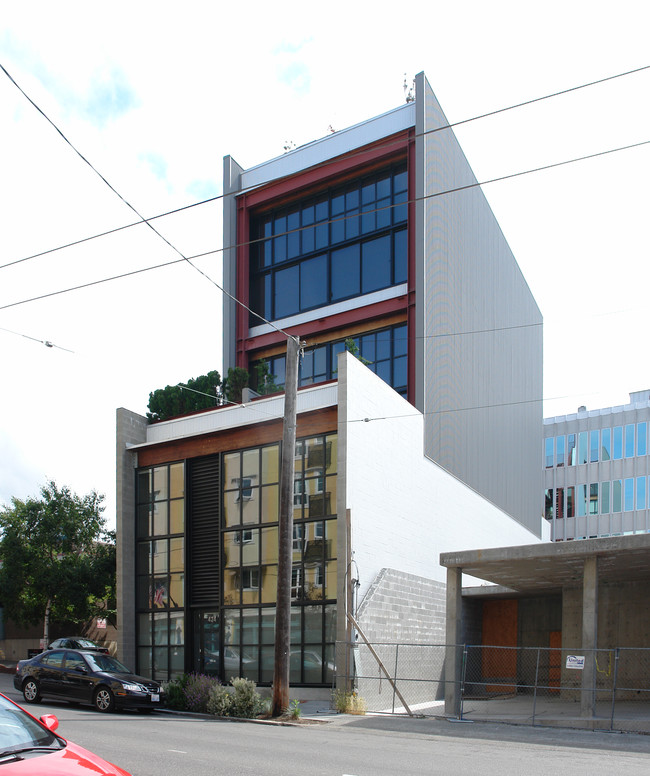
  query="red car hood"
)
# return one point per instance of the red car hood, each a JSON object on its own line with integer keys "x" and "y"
{"x": 72, "y": 761}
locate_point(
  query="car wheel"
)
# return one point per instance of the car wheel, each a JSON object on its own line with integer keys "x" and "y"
{"x": 104, "y": 700}
{"x": 31, "y": 692}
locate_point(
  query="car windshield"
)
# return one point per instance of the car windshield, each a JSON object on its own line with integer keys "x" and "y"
{"x": 18, "y": 731}
{"x": 101, "y": 662}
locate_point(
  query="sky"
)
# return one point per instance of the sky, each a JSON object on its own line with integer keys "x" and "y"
{"x": 154, "y": 97}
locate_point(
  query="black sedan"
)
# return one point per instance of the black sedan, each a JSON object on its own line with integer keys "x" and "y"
{"x": 83, "y": 676}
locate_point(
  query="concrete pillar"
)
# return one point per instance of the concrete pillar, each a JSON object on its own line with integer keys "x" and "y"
{"x": 131, "y": 429}
{"x": 589, "y": 635}
{"x": 453, "y": 652}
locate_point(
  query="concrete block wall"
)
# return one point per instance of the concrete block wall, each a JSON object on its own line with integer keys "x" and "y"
{"x": 403, "y": 608}
{"x": 403, "y": 616}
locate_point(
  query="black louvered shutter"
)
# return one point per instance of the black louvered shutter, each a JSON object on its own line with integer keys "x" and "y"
{"x": 204, "y": 514}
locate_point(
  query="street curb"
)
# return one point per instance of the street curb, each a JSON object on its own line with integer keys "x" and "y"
{"x": 256, "y": 721}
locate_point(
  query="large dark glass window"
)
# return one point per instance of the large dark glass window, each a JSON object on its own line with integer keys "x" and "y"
{"x": 383, "y": 351}
{"x": 160, "y": 570}
{"x": 343, "y": 243}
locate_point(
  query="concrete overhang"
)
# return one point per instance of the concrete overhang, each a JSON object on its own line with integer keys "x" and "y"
{"x": 537, "y": 568}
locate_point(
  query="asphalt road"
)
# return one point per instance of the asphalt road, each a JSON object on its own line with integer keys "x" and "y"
{"x": 170, "y": 745}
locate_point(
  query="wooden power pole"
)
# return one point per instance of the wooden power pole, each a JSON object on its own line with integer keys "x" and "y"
{"x": 280, "y": 701}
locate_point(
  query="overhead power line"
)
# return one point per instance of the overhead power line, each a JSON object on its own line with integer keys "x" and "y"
{"x": 130, "y": 206}
{"x": 476, "y": 184}
{"x": 47, "y": 343}
{"x": 220, "y": 196}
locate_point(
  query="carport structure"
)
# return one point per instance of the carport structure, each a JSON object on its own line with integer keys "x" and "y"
{"x": 603, "y": 584}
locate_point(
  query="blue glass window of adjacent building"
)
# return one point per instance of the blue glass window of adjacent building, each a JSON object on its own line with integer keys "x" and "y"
{"x": 604, "y": 497}
{"x": 606, "y": 444}
{"x": 571, "y": 450}
{"x": 640, "y": 492}
{"x": 582, "y": 500}
{"x": 629, "y": 440}
{"x": 336, "y": 246}
{"x": 570, "y": 499}
{"x": 642, "y": 438}
{"x": 548, "y": 452}
{"x": 582, "y": 447}
{"x": 618, "y": 443}
{"x": 593, "y": 445}
{"x": 617, "y": 487}
{"x": 593, "y": 498}
{"x": 629, "y": 494}
{"x": 559, "y": 451}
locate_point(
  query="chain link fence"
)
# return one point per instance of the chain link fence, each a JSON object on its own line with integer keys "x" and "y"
{"x": 396, "y": 678}
{"x": 520, "y": 685}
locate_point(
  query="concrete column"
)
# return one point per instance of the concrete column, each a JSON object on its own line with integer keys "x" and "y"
{"x": 589, "y": 635}
{"x": 453, "y": 653}
{"x": 131, "y": 429}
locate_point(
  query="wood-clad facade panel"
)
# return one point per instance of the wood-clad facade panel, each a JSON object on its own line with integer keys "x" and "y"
{"x": 309, "y": 424}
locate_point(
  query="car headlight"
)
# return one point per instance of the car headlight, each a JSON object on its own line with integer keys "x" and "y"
{"x": 131, "y": 687}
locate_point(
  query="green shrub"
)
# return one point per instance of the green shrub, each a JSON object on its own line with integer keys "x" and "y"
{"x": 175, "y": 693}
{"x": 219, "y": 702}
{"x": 242, "y": 700}
{"x": 197, "y": 692}
{"x": 190, "y": 692}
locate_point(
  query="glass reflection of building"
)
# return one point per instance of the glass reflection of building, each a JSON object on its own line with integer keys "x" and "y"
{"x": 236, "y": 637}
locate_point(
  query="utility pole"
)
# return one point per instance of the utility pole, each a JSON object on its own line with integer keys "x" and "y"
{"x": 280, "y": 701}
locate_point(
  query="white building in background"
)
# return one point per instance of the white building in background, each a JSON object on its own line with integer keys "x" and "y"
{"x": 596, "y": 471}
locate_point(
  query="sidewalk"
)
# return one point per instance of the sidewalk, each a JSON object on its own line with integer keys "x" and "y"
{"x": 401, "y": 724}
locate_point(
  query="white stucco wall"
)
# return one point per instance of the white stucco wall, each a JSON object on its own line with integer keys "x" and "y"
{"x": 404, "y": 508}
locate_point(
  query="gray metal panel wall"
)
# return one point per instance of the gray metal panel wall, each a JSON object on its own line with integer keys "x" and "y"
{"x": 478, "y": 329}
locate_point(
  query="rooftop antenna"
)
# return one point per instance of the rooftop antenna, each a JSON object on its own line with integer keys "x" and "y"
{"x": 409, "y": 92}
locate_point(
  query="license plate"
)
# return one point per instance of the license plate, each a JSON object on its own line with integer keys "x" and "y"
{"x": 155, "y": 697}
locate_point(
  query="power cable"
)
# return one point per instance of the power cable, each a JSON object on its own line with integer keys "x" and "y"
{"x": 47, "y": 343}
{"x": 131, "y": 207}
{"x": 476, "y": 184}
{"x": 388, "y": 143}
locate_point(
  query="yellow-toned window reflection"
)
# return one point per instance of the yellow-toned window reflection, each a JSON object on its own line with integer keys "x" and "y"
{"x": 270, "y": 496}
{"x": 330, "y": 579}
{"x": 176, "y": 555}
{"x": 176, "y": 591}
{"x": 176, "y": 481}
{"x": 270, "y": 464}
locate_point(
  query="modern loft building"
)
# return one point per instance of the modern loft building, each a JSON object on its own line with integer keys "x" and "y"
{"x": 380, "y": 233}
{"x": 596, "y": 469}
{"x": 198, "y": 531}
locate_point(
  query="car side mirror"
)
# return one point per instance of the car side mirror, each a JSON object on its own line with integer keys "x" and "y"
{"x": 50, "y": 721}
{"x": 81, "y": 670}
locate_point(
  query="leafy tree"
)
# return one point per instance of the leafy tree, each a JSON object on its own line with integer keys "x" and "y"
{"x": 196, "y": 394}
{"x": 265, "y": 381}
{"x": 235, "y": 382}
{"x": 57, "y": 560}
{"x": 352, "y": 347}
